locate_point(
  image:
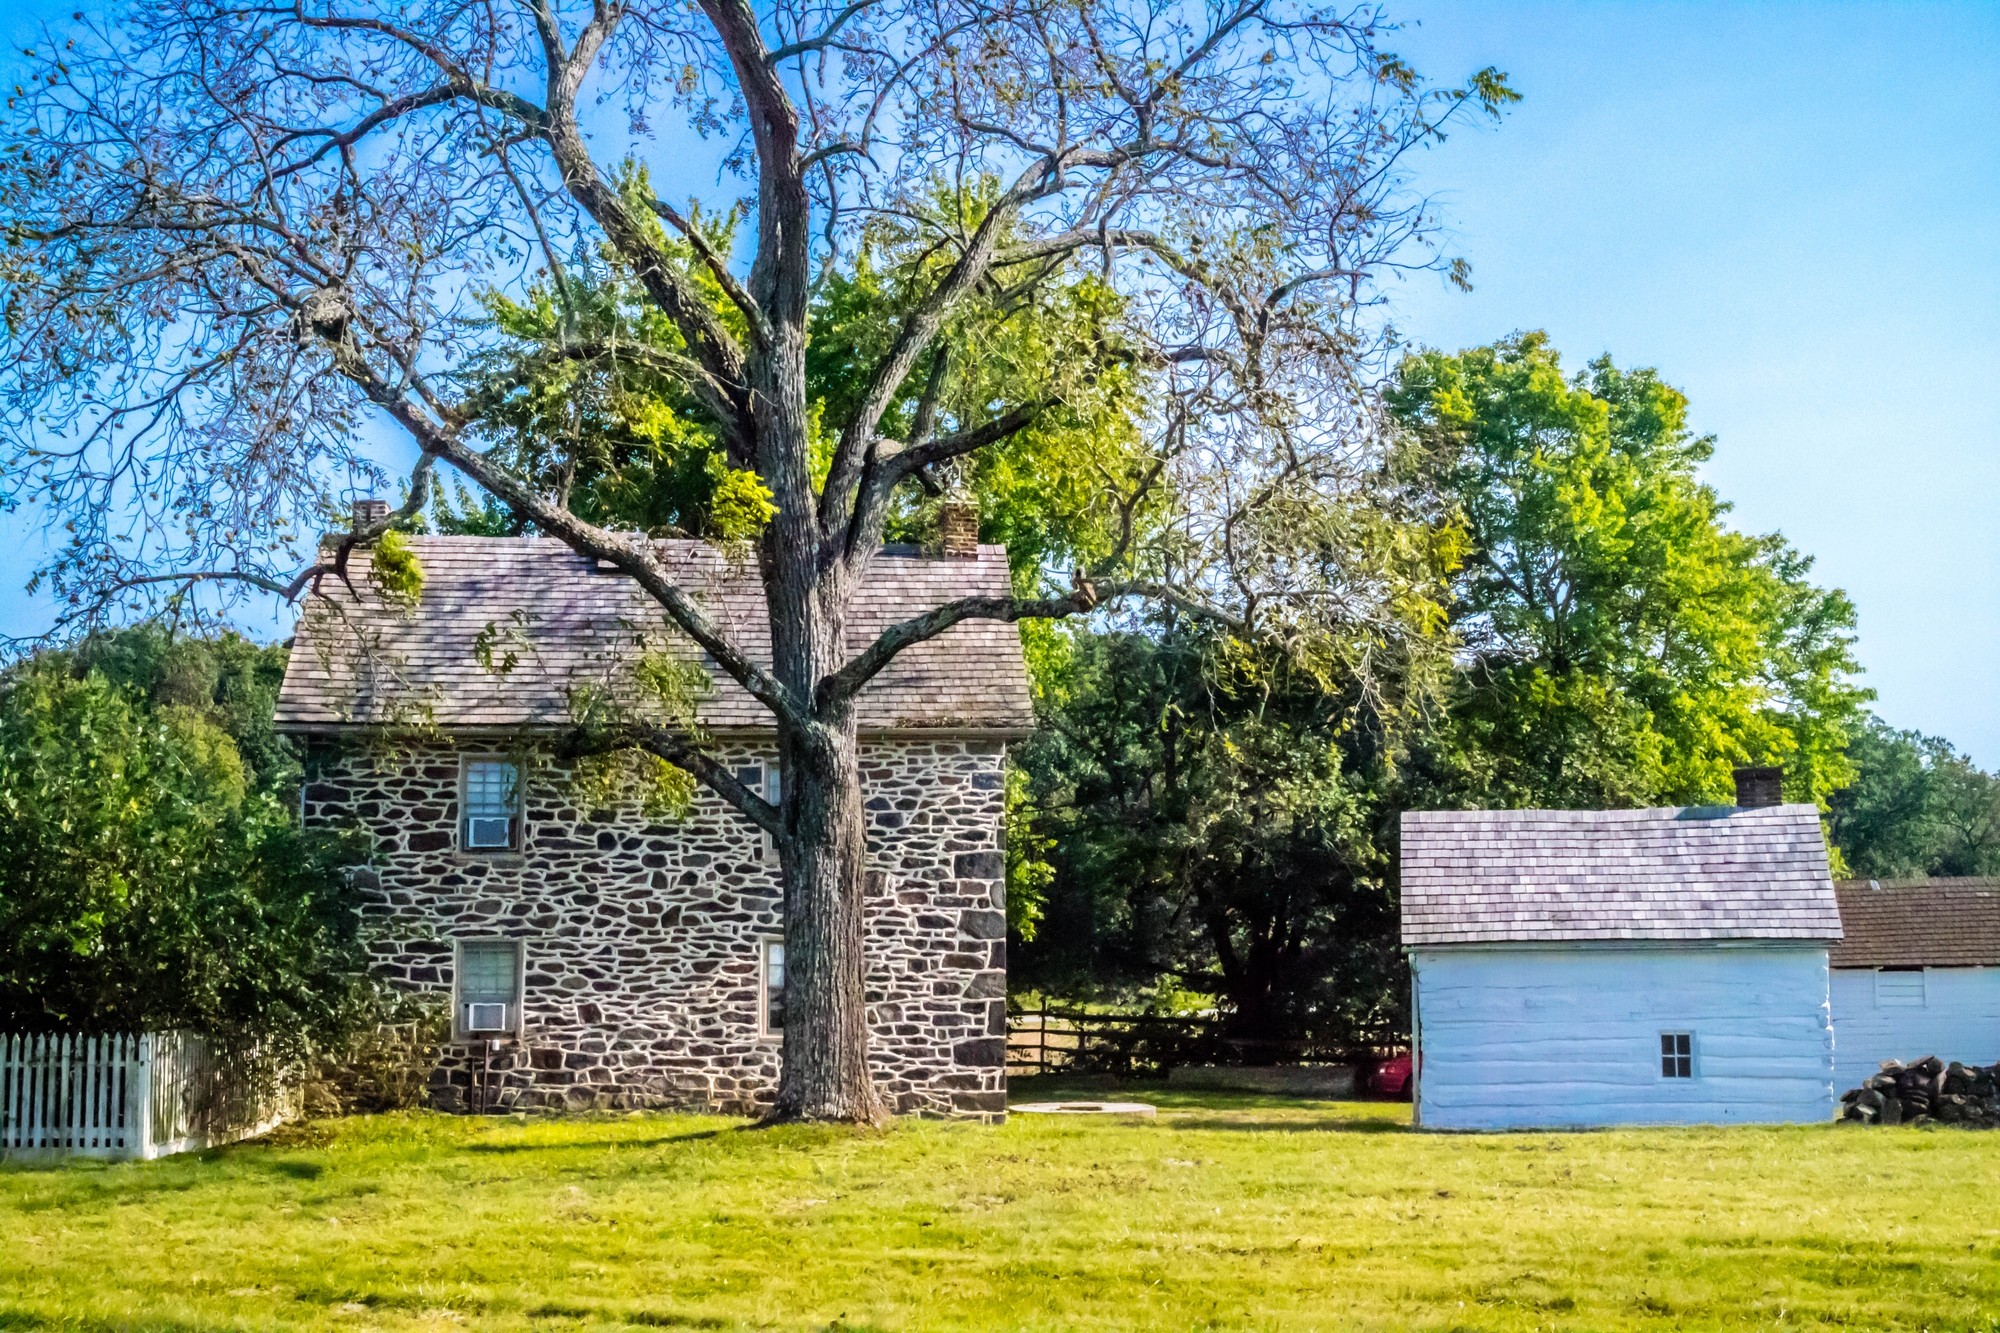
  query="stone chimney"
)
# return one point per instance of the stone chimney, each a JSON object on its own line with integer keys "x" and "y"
{"x": 958, "y": 525}
{"x": 369, "y": 511}
{"x": 1759, "y": 786}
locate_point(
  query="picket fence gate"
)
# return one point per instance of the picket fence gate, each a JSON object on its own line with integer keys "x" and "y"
{"x": 123, "y": 1096}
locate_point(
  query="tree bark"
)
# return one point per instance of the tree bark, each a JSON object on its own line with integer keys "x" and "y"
{"x": 823, "y": 849}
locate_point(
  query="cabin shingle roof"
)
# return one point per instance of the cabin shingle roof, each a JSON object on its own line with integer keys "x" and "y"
{"x": 1919, "y": 923}
{"x": 1695, "y": 873}
{"x": 359, "y": 660}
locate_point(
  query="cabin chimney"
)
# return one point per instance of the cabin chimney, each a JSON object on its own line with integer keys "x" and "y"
{"x": 1759, "y": 787}
{"x": 369, "y": 511}
{"x": 958, "y": 525}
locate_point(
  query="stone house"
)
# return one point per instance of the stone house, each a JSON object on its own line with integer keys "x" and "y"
{"x": 1605, "y": 967}
{"x": 596, "y": 954}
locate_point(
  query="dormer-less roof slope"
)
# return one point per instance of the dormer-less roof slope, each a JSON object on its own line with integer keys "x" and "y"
{"x": 1919, "y": 923}
{"x": 1701, "y": 873}
{"x": 358, "y": 660}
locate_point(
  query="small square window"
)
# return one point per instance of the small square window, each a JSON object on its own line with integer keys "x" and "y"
{"x": 1677, "y": 1055}
{"x": 771, "y": 988}
{"x": 492, "y": 820}
{"x": 488, "y": 988}
{"x": 1900, "y": 988}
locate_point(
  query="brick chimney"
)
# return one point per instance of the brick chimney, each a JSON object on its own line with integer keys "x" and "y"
{"x": 369, "y": 511}
{"x": 1759, "y": 787}
{"x": 958, "y": 526}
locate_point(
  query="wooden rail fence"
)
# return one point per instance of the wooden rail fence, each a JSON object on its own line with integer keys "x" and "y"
{"x": 123, "y": 1095}
{"x": 1050, "y": 1039}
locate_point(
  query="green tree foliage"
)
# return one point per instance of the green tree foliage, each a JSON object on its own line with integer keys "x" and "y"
{"x": 155, "y": 876}
{"x": 631, "y": 447}
{"x": 1623, "y": 645}
{"x": 1043, "y": 489}
{"x": 1210, "y": 838}
{"x": 621, "y": 439}
{"x": 1916, "y": 807}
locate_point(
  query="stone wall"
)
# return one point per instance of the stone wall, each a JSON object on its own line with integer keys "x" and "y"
{"x": 643, "y": 937}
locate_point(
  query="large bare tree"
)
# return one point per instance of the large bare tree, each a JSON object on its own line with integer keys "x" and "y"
{"x": 239, "y": 232}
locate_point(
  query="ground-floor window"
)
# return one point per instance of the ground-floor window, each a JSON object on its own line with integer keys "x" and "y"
{"x": 1677, "y": 1055}
{"x": 487, "y": 1002}
{"x": 771, "y": 987}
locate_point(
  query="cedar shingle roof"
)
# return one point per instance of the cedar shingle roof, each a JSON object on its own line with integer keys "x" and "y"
{"x": 359, "y": 660}
{"x": 1700, "y": 873}
{"x": 1919, "y": 923}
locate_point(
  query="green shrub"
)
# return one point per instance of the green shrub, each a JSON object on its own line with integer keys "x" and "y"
{"x": 155, "y": 875}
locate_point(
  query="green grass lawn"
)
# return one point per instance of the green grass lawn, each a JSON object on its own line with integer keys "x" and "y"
{"x": 1225, "y": 1212}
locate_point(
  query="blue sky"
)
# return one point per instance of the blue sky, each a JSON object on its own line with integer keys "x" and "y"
{"x": 1792, "y": 212}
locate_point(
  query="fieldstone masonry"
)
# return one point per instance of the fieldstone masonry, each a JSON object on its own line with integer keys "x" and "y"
{"x": 643, "y": 937}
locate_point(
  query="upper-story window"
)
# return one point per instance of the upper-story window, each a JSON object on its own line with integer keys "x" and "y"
{"x": 492, "y": 806}
{"x": 766, "y": 781}
{"x": 1900, "y": 988}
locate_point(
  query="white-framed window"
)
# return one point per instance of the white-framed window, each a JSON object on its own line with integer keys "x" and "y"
{"x": 764, "y": 780}
{"x": 1900, "y": 988}
{"x": 490, "y": 787}
{"x": 487, "y": 977}
{"x": 1677, "y": 1055}
{"x": 774, "y": 793}
{"x": 771, "y": 988}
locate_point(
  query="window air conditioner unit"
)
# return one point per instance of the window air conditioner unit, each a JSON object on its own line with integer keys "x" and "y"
{"x": 485, "y": 1018}
{"x": 487, "y": 831}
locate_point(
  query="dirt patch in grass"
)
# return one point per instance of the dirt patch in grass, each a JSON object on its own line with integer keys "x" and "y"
{"x": 1227, "y": 1211}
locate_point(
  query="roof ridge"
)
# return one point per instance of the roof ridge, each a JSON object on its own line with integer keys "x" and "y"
{"x": 1658, "y": 874}
{"x": 562, "y": 621}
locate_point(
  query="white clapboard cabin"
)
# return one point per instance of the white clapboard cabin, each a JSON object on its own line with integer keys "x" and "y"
{"x": 1610, "y": 967}
{"x": 1917, "y": 973}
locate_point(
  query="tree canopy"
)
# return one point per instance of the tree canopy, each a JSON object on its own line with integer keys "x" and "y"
{"x": 1212, "y": 831}
{"x": 1916, "y": 807}
{"x": 1623, "y": 644}
{"x": 155, "y": 875}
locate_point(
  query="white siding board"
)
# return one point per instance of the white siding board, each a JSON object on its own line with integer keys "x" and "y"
{"x": 1538, "y": 1036}
{"x": 1959, "y": 1020}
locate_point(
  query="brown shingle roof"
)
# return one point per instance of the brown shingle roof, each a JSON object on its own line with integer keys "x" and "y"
{"x": 1919, "y": 923}
{"x": 1700, "y": 873}
{"x": 359, "y": 660}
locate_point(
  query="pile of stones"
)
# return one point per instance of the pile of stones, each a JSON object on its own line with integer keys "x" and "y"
{"x": 1925, "y": 1091}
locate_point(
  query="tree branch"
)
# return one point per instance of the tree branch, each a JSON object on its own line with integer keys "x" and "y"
{"x": 826, "y": 35}
{"x": 905, "y": 463}
{"x": 864, "y": 666}
{"x": 682, "y": 752}
{"x": 760, "y": 328}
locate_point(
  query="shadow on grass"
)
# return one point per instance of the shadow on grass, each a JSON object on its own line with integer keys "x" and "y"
{"x": 16, "y": 1317}
{"x": 571, "y": 1145}
{"x": 1329, "y": 1125}
{"x": 642, "y": 1318}
{"x": 44, "y": 1166}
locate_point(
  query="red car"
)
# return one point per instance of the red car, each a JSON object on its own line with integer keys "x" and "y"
{"x": 1391, "y": 1078}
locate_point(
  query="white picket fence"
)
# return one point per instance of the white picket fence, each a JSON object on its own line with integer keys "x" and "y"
{"x": 123, "y": 1095}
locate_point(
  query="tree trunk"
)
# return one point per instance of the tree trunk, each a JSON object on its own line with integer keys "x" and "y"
{"x": 825, "y": 1074}
{"x": 823, "y": 848}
